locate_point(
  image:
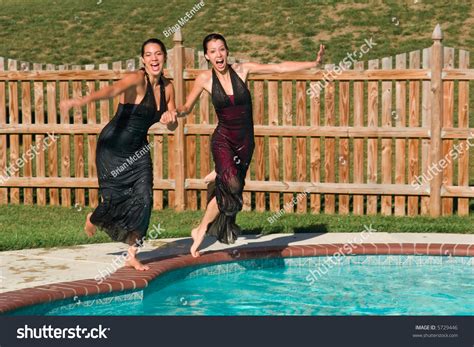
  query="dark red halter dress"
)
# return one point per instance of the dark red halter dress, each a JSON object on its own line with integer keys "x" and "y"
{"x": 232, "y": 146}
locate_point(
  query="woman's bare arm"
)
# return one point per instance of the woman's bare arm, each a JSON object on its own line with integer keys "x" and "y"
{"x": 130, "y": 81}
{"x": 287, "y": 66}
{"x": 199, "y": 84}
{"x": 169, "y": 117}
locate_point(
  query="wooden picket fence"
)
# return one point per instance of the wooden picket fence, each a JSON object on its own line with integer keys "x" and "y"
{"x": 358, "y": 146}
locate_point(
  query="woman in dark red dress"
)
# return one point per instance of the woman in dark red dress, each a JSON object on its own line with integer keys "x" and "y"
{"x": 123, "y": 153}
{"x": 232, "y": 142}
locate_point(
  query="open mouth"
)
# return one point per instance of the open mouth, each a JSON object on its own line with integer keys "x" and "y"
{"x": 155, "y": 67}
{"x": 220, "y": 63}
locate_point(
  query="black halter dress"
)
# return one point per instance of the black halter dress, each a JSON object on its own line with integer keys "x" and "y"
{"x": 125, "y": 169}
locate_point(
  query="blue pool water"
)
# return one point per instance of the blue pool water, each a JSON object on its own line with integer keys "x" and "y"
{"x": 357, "y": 285}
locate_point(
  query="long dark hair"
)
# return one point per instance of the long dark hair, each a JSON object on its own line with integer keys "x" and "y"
{"x": 213, "y": 36}
{"x": 158, "y": 42}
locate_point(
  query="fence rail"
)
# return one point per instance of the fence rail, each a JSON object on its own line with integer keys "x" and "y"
{"x": 449, "y": 74}
{"x": 374, "y": 139}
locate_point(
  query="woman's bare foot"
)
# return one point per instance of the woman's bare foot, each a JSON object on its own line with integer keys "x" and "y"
{"x": 210, "y": 177}
{"x": 198, "y": 236}
{"x": 89, "y": 228}
{"x": 135, "y": 263}
{"x": 132, "y": 260}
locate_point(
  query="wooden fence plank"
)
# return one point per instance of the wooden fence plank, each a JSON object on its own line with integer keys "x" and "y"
{"x": 190, "y": 74}
{"x": 463, "y": 122}
{"x": 329, "y": 143}
{"x": 53, "y": 147}
{"x": 65, "y": 142}
{"x": 448, "y": 121}
{"x": 301, "y": 154}
{"x": 400, "y": 144}
{"x": 3, "y": 138}
{"x": 413, "y": 121}
{"x": 78, "y": 143}
{"x": 158, "y": 203}
{"x": 426, "y": 123}
{"x": 26, "y": 139}
{"x": 372, "y": 143}
{"x": 246, "y": 195}
{"x": 117, "y": 66}
{"x": 315, "y": 146}
{"x": 179, "y": 150}
{"x": 91, "y": 142}
{"x": 14, "y": 139}
{"x": 259, "y": 155}
{"x": 260, "y": 130}
{"x": 358, "y": 143}
{"x": 170, "y": 143}
{"x": 287, "y": 109}
{"x": 348, "y": 75}
{"x": 191, "y": 164}
{"x": 344, "y": 156}
{"x": 39, "y": 119}
{"x": 104, "y": 104}
{"x": 436, "y": 145}
{"x": 274, "y": 169}
{"x": 386, "y": 201}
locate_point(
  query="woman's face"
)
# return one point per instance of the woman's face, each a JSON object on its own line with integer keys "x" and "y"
{"x": 217, "y": 54}
{"x": 153, "y": 59}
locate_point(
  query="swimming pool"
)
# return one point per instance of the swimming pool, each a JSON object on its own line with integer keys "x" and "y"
{"x": 353, "y": 285}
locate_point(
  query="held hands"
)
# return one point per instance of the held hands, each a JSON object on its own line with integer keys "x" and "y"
{"x": 319, "y": 59}
{"x": 169, "y": 117}
{"x": 181, "y": 111}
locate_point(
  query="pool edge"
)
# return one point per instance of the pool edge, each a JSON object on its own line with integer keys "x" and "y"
{"x": 129, "y": 279}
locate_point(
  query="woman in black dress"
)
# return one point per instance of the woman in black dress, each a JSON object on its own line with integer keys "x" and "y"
{"x": 123, "y": 157}
{"x": 232, "y": 142}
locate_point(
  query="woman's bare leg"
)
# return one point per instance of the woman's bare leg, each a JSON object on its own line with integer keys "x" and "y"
{"x": 131, "y": 259}
{"x": 198, "y": 233}
{"x": 89, "y": 228}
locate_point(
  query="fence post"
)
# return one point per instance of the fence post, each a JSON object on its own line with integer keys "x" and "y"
{"x": 436, "y": 122}
{"x": 180, "y": 145}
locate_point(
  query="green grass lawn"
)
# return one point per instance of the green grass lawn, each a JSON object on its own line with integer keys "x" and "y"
{"x": 24, "y": 227}
{"x": 103, "y": 31}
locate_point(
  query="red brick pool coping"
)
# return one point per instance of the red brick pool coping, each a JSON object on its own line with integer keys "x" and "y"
{"x": 129, "y": 279}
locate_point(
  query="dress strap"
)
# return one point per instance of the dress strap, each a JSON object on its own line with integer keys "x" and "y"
{"x": 163, "y": 104}
{"x": 147, "y": 79}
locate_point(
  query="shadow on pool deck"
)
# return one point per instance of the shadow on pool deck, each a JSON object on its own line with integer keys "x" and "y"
{"x": 181, "y": 246}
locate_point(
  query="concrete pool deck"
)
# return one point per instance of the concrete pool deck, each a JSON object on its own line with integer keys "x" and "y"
{"x": 35, "y": 267}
